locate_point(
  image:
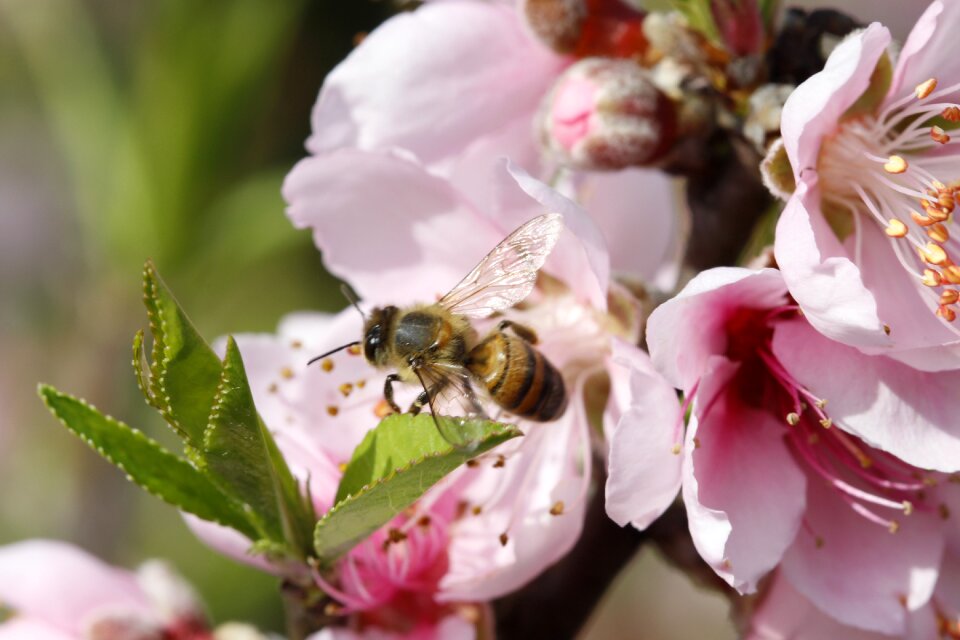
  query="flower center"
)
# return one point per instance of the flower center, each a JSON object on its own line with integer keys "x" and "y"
{"x": 891, "y": 167}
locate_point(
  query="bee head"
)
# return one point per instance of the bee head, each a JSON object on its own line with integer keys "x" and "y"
{"x": 375, "y": 331}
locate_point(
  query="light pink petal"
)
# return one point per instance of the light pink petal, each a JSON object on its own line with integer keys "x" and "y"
{"x": 784, "y": 614}
{"x": 31, "y": 629}
{"x": 623, "y": 202}
{"x": 931, "y": 51}
{"x": 860, "y": 571}
{"x": 551, "y": 465}
{"x": 744, "y": 493}
{"x": 684, "y": 332}
{"x": 644, "y": 471}
{"x": 383, "y": 223}
{"x": 911, "y": 414}
{"x": 580, "y": 258}
{"x": 813, "y": 110}
{"x": 434, "y": 80}
{"x": 828, "y": 286}
{"x": 62, "y": 585}
{"x": 229, "y": 542}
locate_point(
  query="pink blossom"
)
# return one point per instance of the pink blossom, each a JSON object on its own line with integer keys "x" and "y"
{"x": 786, "y": 461}
{"x": 456, "y": 86}
{"x": 864, "y": 241}
{"x": 59, "y": 592}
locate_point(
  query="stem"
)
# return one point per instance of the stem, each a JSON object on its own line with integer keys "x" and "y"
{"x": 303, "y": 607}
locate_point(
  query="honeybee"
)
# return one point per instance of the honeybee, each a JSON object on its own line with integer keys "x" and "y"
{"x": 436, "y": 347}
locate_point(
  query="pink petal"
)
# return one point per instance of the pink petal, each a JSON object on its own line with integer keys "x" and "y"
{"x": 828, "y": 286}
{"x": 931, "y": 51}
{"x": 813, "y": 110}
{"x": 684, "y": 332}
{"x": 580, "y": 258}
{"x": 644, "y": 472}
{"x": 743, "y": 491}
{"x": 31, "y": 629}
{"x": 909, "y": 413}
{"x": 784, "y": 614}
{"x": 433, "y": 81}
{"x": 229, "y": 542}
{"x": 383, "y": 222}
{"x": 860, "y": 572}
{"x": 621, "y": 202}
{"x": 62, "y": 585}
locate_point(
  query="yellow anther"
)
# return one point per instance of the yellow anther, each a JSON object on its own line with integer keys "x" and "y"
{"x": 346, "y": 389}
{"x": 333, "y": 410}
{"x": 676, "y": 449}
{"x": 354, "y": 350}
{"x": 895, "y": 164}
{"x": 930, "y": 278}
{"x": 924, "y": 89}
{"x": 557, "y": 508}
{"x": 939, "y": 135}
{"x": 894, "y": 526}
{"x": 327, "y": 365}
{"x": 934, "y": 253}
{"x": 295, "y": 344}
{"x": 286, "y": 373}
{"x": 938, "y": 233}
{"x": 907, "y": 507}
{"x": 821, "y": 403}
{"x": 826, "y": 423}
{"x": 896, "y": 229}
{"x": 946, "y": 313}
{"x": 949, "y": 296}
{"x": 951, "y": 274}
{"x": 921, "y": 220}
{"x": 793, "y": 419}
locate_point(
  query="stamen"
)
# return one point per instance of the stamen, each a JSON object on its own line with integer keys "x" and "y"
{"x": 896, "y": 229}
{"x": 933, "y": 253}
{"x": 925, "y": 88}
{"x": 939, "y": 135}
{"x": 895, "y": 164}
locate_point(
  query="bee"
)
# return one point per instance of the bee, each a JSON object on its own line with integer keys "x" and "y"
{"x": 436, "y": 347}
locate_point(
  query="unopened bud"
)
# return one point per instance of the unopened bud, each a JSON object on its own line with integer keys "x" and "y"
{"x": 606, "y": 114}
{"x": 556, "y": 23}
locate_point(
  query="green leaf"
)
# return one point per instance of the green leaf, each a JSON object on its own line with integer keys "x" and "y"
{"x": 241, "y": 456}
{"x": 184, "y": 369}
{"x": 394, "y": 465}
{"x": 165, "y": 475}
{"x": 699, "y": 16}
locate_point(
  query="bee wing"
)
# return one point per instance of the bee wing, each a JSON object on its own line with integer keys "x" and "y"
{"x": 454, "y": 402}
{"x": 507, "y": 274}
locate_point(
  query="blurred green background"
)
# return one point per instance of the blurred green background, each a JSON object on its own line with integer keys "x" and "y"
{"x": 163, "y": 129}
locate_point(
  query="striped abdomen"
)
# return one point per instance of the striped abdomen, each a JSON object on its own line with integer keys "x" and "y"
{"x": 518, "y": 377}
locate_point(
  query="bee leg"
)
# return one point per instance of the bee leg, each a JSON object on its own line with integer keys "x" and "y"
{"x": 419, "y": 403}
{"x": 388, "y": 391}
{"x": 523, "y": 332}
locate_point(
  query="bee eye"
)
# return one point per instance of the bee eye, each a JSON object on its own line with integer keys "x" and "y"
{"x": 371, "y": 342}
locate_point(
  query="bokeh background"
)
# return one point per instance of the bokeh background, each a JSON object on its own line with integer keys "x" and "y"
{"x": 163, "y": 128}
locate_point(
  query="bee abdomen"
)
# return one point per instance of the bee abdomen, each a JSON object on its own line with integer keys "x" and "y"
{"x": 519, "y": 378}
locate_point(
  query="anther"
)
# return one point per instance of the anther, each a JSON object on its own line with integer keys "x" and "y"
{"x": 896, "y": 229}
{"x": 944, "y": 511}
{"x": 793, "y": 419}
{"x": 938, "y": 233}
{"x": 342, "y": 467}
{"x": 500, "y": 463}
{"x": 951, "y": 274}
{"x": 327, "y": 365}
{"x": 295, "y": 344}
{"x": 696, "y": 442}
{"x": 477, "y": 510}
{"x": 921, "y": 220}
{"x": 504, "y": 538}
{"x": 930, "y": 278}
{"x": 354, "y": 350}
{"x": 557, "y": 508}
{"x": 676, "y": 449}
{"x": 333, "y": 410}
{"x": 939, "y": 135}
{"x": 886, "y": 329}
{"x": 934, "y": 253}
{"x": 951, "y": 114}
{"x": 946, "y": 313}
{"x": 826, "y": 423}
{"x": 273, "y": 387}
{"x": 925, "y": 88}
{"x": 821, "y": 403}
{"x": 424, "y": 521}
{"x": 894, "y": 526}
{"x": 286, "y": 373}
{"x": 332, "y": 609}
{"x": 949, "y": 296}
{"x": 907, "y": 507}
{"x": 361, "y": 384}
{"x": 346, "y": 388}
{"x": 472, "y": 463}
{"x": 895, "y": 164}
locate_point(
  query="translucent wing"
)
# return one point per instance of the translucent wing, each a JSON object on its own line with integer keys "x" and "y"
{"x": 454, "y": 403}
{"x": 507, "y": 274}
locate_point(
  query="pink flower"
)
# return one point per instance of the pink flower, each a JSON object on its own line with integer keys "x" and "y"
{"x": 785, "y": 458}
{"x": 864, "y": 241}
{"x": 59, "y": 592}
{"x": 456, "y": 86}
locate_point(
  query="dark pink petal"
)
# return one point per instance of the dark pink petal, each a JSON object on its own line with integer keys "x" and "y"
{"x": 828, "y": 286}
{"x": 643, "y": 477}
{"x": 911, "y": 414}
{"x": 62, "y": 585}
{"x": 433, "y": 81}
{"x": 684, "y": 332}
{"x": 384, "y": 223}
{"x": 931, "y": 51}
{"x": 857, "y": 571}
{"x": 814, "y": 109}
{"x": 745, "y": 495}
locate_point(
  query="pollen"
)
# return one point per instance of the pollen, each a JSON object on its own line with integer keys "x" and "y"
{"x": 333, "y": 410}
{"x": 354, "y": 350}
{"x": 327, "y": 365}
{"x": 938, "y": 233}
{"x": 895, "y": 164}
{"x": 951, "y": 114}
{"x": 346, "y": 389}
{"x": 286, "y": 373}
{"x": 933, "y": 253}
{"x": 895, "y": 229}
{"x": 793, "y": 419}
{"x": 939, "y": 135}
{"x": 557, "y": 508}
{"x": 924, "y": 89}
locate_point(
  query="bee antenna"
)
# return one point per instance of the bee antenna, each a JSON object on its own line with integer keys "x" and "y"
{"x": 332, "y": 351}
{"x": 352, "y": 298}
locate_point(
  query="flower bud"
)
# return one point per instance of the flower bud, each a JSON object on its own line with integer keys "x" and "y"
{"x": 606, "y": 114}
{"x": 556, "y": 23}
{"x": 585, "y": 28}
